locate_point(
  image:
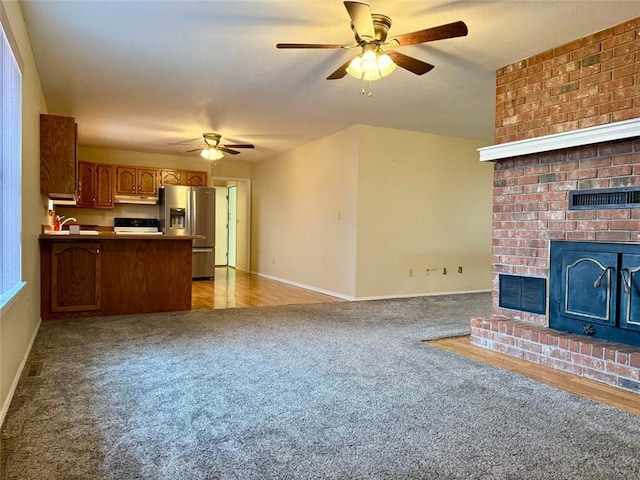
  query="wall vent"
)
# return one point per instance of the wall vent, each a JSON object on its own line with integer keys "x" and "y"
{"x": 628, "y": 197}
{"x": 527, "y": 294}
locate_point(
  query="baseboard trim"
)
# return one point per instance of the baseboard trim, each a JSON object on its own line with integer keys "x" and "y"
{"x": 16, "y": 378}
{"x": 306, "y": 287}
{"x": 408, "y": 295}
{"x": 358, "y": 299}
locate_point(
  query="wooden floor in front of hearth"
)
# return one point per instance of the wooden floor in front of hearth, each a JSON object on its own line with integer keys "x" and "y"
{"x": 615, "y": 397}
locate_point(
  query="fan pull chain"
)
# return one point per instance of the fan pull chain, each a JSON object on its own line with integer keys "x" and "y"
{"x": 363, "y": 83}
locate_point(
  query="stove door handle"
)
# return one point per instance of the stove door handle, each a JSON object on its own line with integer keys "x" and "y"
{"x": 598, "y": 281}
{"x": 626, "y": 280}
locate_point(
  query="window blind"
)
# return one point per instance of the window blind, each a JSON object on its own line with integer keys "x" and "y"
{"x": 10, "y": 167}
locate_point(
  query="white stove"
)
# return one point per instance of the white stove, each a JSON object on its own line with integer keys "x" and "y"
{"x": 136, "y": 226}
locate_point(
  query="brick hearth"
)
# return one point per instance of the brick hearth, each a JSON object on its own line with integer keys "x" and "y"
{"x": 607, "y": 362}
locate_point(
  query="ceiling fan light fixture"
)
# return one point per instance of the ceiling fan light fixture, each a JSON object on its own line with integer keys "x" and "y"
{"x": 385, "y": 65}
{"x": 371, "y": 66}
{"x": 211, "y": 153}
{"x": 369, "y": 63}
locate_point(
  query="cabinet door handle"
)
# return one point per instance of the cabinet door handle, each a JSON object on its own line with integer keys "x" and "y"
{"x": 98, "y": 251}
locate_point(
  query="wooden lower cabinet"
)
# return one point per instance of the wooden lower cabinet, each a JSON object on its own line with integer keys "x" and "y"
{"x": 114, "y": 276}
{"x": 75, "y": 277}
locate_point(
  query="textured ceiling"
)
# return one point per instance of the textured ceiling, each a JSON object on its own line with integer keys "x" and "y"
{"x": 140, "y": 75}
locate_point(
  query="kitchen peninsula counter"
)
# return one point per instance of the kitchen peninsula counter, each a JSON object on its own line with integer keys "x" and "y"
{"x": 113, "y": 236}
{"x": 107, "y": 274}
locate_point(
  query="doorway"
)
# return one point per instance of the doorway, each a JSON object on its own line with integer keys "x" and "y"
{"x": 233, "y": 222}
{"x": 233, "y": 225}
{"x": 222, "y": 226}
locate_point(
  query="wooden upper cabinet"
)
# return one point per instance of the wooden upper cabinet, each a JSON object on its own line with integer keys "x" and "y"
{"x": 183, "y": 177}
{"x": 126, "y": 180}
{"x": 196, "y": 179}
{"x": 147, "y": 181}
{"x": 58, "y": 140}
{"x": 104, "y": 186}
{"x": 75, "y": 277}
{"x": 136, "y": 181}
{"x": 170, "y": 177}
{"x": 86, "y": 184}
{"x": 95, "y": 185}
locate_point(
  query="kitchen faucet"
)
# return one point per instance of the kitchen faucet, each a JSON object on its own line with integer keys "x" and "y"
{"x": 58, "y": 225}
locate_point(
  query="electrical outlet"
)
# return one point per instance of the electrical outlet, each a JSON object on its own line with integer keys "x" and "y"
{"x": 459, "y": 269}
{"x": 411, "y": 272}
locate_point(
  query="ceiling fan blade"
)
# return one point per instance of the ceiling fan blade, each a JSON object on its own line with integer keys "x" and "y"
{"x": 409, "y": 63}
{"x": 194, "y": 150}
{"x": 308, "y": 45}
{"x": 450, "y": 30}
{"x": 362, "y": 20}
{"x": 228, "y": 150}
{"x": 239, "y": 145}
{"x": 341, "y": 71}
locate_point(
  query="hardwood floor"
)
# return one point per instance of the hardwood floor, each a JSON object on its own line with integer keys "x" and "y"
{"x": 584, "y": 387}
{"x": 232, "y": 288}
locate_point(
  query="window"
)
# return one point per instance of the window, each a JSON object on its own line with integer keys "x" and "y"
{"x": 10, "y": 163}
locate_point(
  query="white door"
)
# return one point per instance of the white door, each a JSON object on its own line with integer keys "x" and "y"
{"x": 222, "y": 234}
{"x": 233, "y": 219}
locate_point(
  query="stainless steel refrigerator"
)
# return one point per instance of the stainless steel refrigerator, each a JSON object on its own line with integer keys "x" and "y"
{"x": 191, "y": 211}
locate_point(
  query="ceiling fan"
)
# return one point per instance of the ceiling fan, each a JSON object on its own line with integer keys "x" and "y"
{"x": 214, "y": 150}
{"x": 370, "y": 32}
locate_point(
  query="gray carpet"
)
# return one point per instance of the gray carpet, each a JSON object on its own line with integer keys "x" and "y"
{"x": 338, "y": 390}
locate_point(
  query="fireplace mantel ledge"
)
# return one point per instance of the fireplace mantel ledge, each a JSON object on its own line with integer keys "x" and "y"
{"x": 575, "y": 138}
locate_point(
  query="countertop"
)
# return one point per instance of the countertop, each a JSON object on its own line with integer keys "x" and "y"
{"x": 111, "y": 236}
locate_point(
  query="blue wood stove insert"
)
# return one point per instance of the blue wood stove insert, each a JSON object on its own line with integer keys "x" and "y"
{"x": 594, "y": 290}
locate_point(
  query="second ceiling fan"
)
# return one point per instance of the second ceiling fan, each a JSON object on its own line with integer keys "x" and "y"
{"x": 214, "y": 150}
{"x": 371, "y": 32}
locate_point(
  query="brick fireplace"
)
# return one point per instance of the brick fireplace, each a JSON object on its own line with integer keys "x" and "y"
{"x": 567, "y": 120}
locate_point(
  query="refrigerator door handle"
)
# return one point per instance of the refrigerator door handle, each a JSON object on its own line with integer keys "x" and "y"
{"x": 193, "y": 212}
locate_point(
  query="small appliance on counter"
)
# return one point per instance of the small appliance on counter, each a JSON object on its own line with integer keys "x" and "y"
{"x": 191, "y": 211}
{"x": 136, "y": 226}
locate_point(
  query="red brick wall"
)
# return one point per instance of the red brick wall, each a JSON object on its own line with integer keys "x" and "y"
{"x": 591, "y": 81}
{"x": 530, "y": 207}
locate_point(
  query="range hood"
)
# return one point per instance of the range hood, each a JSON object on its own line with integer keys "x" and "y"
{"x": 62, "y": 198}
{"x": 137, "y": 199}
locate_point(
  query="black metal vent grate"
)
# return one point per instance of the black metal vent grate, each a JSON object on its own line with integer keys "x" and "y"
{"x": 628, "y": 197}
{"x": 527, "y": 294}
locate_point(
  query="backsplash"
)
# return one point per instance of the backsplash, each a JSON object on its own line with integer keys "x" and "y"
{"x": 94, "y": 216}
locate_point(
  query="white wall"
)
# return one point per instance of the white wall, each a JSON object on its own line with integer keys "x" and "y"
{"x": 19, "y": 322}
{"x": 424, "y": 202}
{"x": 304, "y": 214}
{"x": 353, "y": 212}
{"x": 243, "y": 216}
